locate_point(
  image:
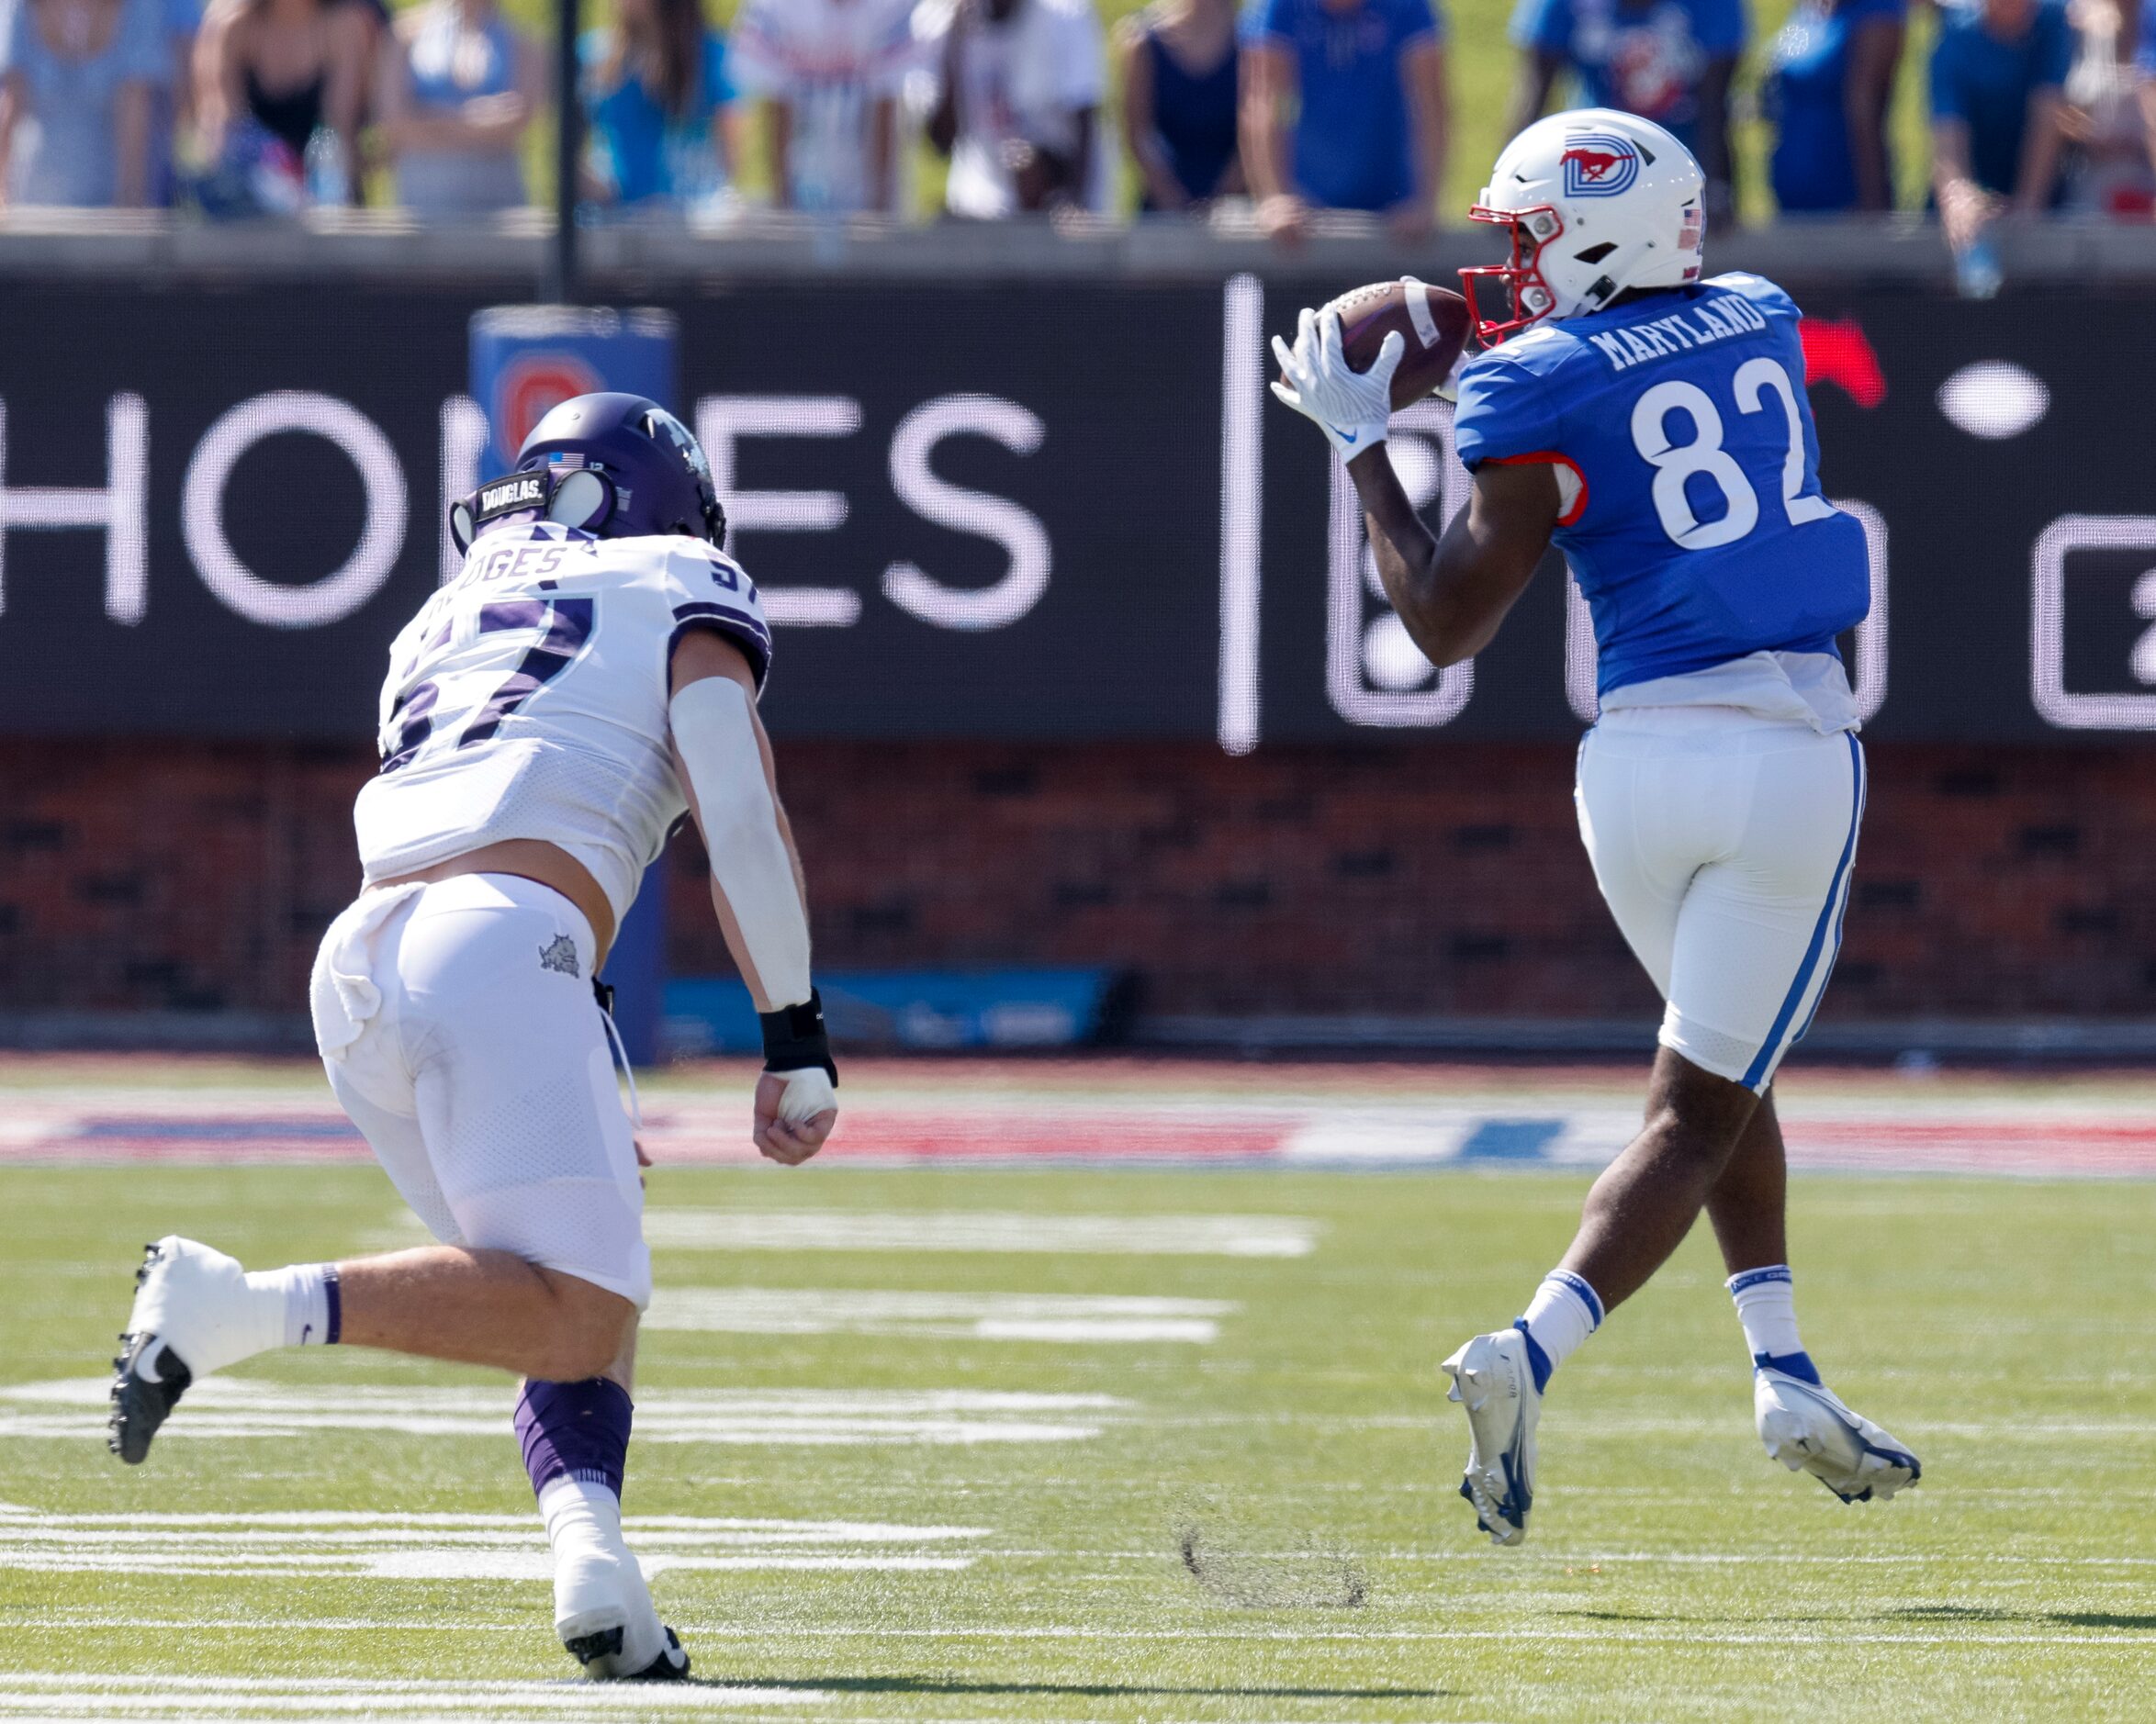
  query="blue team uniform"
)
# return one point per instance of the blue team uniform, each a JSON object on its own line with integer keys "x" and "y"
{"x": 1700, "y": 535}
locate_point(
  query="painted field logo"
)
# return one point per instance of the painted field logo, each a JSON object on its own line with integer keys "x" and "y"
{"x": 1598, "y": 165}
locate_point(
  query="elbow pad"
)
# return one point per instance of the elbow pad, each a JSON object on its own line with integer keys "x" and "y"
{"x": 714, "y": 733}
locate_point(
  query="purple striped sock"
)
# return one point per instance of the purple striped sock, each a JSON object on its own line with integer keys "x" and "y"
{"x": 575, "y": 1430}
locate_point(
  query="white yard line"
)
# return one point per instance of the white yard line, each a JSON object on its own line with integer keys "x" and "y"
{"x": 195, "y": 1697}
{"x": 457, "y": 1546}
{"x": 979, "y": 1230}
{"x": 232, "y": 1407}
{"x": 1088, "y": 1318}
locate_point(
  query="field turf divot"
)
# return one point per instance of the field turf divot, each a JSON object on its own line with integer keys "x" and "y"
{"x": 1307, "y": 1579}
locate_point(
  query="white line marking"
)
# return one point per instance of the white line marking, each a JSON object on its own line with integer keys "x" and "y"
{"x": 983, "y": 1230}
{"x": 176, "y": 1696}
{"x": 1242, "y": 454}
{"x": 1084, "y": 1318}
{"x": 232, "y": 1407}
{"x": 453, "y": 1547}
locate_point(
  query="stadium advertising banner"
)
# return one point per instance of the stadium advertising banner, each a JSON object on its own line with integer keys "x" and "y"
{"x": 1036, "y": 511}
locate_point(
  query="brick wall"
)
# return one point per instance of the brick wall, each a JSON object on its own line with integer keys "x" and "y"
{"x": 1397, "y": 879}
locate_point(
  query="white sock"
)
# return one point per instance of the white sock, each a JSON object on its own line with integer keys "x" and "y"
{"x": 1767, "y": 1306}
{"x": 1563, "y": 1312}
{"x": 593, "y": 1566}
{"x": 300, "y": 1305}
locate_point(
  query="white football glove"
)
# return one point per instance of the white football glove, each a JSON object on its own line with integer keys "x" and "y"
{"x": 1353, "y": 408}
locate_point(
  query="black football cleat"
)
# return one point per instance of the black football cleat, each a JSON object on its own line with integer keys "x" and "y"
{"x": 140, "y": 1403}
{"x": 600, "y": 1653}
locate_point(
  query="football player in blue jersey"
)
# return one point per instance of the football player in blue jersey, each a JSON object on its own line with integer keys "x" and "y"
{"x": 1654, "y": 426}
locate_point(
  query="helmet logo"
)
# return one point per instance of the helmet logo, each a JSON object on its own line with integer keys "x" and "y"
{"x": 664, "y": 427}
{"x": 1597, "y": 165}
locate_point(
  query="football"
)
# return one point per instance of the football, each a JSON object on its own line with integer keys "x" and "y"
{"x": 1433, "y": 322}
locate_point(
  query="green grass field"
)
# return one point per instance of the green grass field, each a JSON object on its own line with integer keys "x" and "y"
{"x": 1234, "y": 1500}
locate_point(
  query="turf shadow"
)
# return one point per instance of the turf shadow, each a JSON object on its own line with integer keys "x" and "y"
{"x": 2063, "y": 1619}
{"x": 1623, "y": 1616}
{"x": 1086, "y": 1690}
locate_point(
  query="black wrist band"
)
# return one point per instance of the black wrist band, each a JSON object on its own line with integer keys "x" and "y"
{"x": 794, "y": 1037}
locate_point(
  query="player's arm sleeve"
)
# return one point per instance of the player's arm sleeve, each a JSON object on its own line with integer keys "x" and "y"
{"x": 717, "y": 737}
{"x": 707, "y": 590}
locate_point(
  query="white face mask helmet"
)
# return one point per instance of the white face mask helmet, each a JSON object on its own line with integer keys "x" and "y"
{"x": 1597, "y": 202}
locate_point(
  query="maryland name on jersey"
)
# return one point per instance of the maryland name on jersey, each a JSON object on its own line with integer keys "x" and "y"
{"x": 528, "y": 699}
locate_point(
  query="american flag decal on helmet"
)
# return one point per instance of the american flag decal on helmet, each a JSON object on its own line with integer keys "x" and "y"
{"x": 1598, "y": 164}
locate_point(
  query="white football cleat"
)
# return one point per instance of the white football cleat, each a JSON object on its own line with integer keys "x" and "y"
{"x": 1492, "y": 1378}
{"x": 602, "y": 1609}
{"x": 1808, "y": 1429}
{"x": 194, "y": 1314}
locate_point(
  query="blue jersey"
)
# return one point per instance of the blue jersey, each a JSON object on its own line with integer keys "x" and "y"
{"x": 1698, "y": 534}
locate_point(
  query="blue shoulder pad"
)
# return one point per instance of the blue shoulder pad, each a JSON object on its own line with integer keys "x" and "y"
{"x": 1509, "y": 402}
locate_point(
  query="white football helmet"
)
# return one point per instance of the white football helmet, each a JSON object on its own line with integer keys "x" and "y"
{"x": 1597, "y": 202}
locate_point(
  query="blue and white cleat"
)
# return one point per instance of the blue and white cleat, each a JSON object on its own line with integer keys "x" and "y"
{"x": 1493, "y": 1381}
{"x": 1806, "y": 1428}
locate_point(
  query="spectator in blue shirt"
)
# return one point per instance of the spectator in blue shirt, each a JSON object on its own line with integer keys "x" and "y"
{"x": 77, "y": 78}
{"x": 1830, "y": 80}
{"x": 1997, "y": 77}
{"x": 1667, "y": 61}
{"x": 1343, "y": 107}
{"x": 657, "y": 92}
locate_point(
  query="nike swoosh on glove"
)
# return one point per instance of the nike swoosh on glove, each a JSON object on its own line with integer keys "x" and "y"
{"x": 1353, "y": 408}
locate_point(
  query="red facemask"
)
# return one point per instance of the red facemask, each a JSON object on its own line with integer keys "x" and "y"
{"x": 1529, "y": 299}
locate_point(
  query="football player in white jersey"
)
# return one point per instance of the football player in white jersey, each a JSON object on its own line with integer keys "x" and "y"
{"x": 590, "y": 674}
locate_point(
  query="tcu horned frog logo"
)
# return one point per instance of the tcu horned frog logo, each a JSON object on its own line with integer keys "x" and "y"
{"x": 1598, "y": 165}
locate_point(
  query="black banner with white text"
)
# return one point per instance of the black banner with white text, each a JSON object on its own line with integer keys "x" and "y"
{"x": 1049, "y": 510}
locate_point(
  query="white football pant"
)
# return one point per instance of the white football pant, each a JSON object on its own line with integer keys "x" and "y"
{"x": 1723, "y": 845}
{"x": 459, "y": 1029}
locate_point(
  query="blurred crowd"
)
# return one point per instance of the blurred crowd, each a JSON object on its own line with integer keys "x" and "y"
{"x": 255, "y": 107}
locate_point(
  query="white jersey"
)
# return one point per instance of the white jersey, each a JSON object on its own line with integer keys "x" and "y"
{"x": 528, "y": 699}
{"x": 831, "y": 60}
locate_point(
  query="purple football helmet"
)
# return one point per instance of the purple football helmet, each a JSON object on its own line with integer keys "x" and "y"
{"x": 618, "y": 467}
